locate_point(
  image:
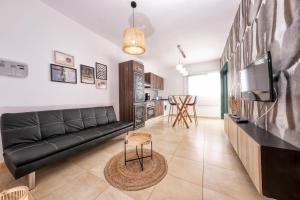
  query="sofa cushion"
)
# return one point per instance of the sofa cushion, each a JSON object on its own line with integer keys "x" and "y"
{"x": 51, "y": 123}
{"x": 64, "y": 141}
{"x": 88, "y": 117}
{"x": 26, "y": 153}
{"x": 111, "y": 115}
{"x": 101, "y": 116}
{"x": 18, "y": 128}
{"x": 112, "y": 127}
{"x": 95, "y": 132}
{"x": 88, "y": 134}
{"x": 120, "y": 125}
{"x": 73, "y": 120}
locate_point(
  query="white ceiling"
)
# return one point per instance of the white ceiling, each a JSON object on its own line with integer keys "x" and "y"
{"x": 199, "y": 26}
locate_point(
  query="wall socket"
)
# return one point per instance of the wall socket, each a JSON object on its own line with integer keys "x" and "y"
{"x": 13, "y": 68}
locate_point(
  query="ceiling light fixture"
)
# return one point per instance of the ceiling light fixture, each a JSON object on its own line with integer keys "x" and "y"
{"x": 180, "y": 66}
{"x": 133, "y": 38}
{"x": 181, "y": 51}
{"x": 184, "y": 72}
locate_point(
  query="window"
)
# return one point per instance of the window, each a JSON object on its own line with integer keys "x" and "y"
{"x": 207, "y": 87}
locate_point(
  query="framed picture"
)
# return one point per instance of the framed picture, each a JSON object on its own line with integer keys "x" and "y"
{"x": 101, "y": 71}
{"x": 87, "y": 74}
{"x": 63, "y": 74}
{"x": 63, "y": 59}
{"x": 101, "y": 84}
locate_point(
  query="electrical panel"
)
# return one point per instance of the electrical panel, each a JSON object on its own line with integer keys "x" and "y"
{"x": 13, "y": 68}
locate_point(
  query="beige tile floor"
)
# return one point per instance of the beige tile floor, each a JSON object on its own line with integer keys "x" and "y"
{"x": 202, "y": 165}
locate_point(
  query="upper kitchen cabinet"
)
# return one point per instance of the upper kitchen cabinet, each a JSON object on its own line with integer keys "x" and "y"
{"x": 154, "y": 81}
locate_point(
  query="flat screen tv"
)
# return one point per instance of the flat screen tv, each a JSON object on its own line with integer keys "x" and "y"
{"x": 257, "y": 80}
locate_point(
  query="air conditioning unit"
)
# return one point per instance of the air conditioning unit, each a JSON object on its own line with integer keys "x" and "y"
{"x": 13, "y": 68}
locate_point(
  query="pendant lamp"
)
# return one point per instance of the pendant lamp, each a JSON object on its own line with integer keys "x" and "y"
{"x": 133, "y": 38}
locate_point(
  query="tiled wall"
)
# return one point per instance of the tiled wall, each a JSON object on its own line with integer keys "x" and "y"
{"x": 269, "y": 25}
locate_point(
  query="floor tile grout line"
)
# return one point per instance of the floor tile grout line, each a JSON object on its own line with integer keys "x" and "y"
{"x": 193, "y": 183}
{"x": 203, "y": 165}
{"x": 101, "y": 193}
{"x": 154, "y": 187}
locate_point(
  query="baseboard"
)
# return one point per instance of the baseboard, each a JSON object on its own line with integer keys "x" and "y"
{"x": 199, "y": 116}
{"x": 208, "y": 117}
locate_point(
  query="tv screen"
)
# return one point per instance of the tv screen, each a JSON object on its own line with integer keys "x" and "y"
{"x": 257, "y": 80}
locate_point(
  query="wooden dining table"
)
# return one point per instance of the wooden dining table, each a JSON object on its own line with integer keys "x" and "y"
{"x": 181, "y": 102}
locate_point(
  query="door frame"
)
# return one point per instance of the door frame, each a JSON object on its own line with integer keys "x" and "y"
{"x": 224, "y": 89}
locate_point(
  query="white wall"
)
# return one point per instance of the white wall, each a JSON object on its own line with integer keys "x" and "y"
{"x": 30, "y": 31}
{"x": 173, "y": 80}
{"x": 205, "y": 108}
{"x": 203, "y": 67}
{"x": 30, "y": 36}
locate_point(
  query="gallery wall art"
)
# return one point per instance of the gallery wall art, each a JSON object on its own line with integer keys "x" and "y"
{"x": 87, "y": 74}
{"x": 101, "y": 76}
{"x": 101, "y": 84}
{"x": 101, "y": 71}
{"x": 64, "y": 59}
{"x": 63, "y": 74}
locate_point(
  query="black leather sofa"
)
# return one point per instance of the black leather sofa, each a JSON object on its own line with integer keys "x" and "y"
{"x": 33, "y": 139}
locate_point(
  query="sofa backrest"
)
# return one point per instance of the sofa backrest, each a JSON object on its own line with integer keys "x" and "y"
{"x": 18, "y": 128}
{"x": 51, "y": 123}
{"x": 73, "y": 120}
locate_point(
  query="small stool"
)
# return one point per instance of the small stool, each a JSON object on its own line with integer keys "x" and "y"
{"x": 16, "y": 193}
{"x": 137, "y": 139}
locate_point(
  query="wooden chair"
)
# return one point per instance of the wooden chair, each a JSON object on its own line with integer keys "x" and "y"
{"x": 193, "y": 105}
{"x": 171, "y": 109}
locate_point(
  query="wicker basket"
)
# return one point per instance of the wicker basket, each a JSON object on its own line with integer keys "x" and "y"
{"x": 16, "y": 193}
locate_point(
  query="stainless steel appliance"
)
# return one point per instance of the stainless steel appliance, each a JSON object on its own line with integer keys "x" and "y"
{"x": 138, "y": 87}
{"x": 150, "y": 109}
{"x": 139, "y": 100}
{"x": 150, "y": 112}
{"x": 139, "y": 115}
{"x": 147, "y": 97}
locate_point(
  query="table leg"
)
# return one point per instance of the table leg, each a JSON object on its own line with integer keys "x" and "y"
{"x": 180, "y": 114}
{"x": 186, "y": 111}
{"x": 151, "y": 151}
{"x": 125, "y": 152}
{"x": 178, "y": 110}
{"x": 142, "y": 157}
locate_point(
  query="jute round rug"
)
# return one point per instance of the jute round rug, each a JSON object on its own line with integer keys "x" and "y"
{"x": 130, "y": 177}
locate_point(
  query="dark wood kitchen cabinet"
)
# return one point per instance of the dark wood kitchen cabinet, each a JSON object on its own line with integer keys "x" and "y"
{"x": 159, "y": 108}
{"x": 131, "y": 92}
{"x": 156, "y": 82}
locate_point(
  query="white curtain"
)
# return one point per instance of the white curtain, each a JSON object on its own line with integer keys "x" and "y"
{"x": 208, "y": 89}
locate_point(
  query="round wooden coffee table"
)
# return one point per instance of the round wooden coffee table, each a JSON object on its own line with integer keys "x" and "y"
{"x": 138, "y": 139}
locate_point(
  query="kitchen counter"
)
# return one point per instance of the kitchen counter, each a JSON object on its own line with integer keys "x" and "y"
{"x": 156, "y": 100}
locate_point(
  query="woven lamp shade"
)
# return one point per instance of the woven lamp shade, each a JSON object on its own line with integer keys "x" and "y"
{"x": 133, "y": 41}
